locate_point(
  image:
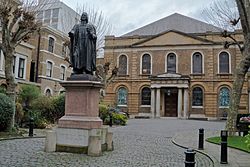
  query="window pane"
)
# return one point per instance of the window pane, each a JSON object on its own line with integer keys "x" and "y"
{"x": 62, "y": 74}
{"x": 146, "y": 64}
{"x": 224, "y": 97}
{"x": 21, "y": 68}
{"x": 51, "y": 44}
{"x": 55, "y": 13}
{"x": 122, "y": 96}
{"x": 145, "y": 96}
{"x": 171, "y": 63}
{"x": 48, "y": 93}
{"x": 39, "y": 15}
{"x": 224, "y": 62}
{"x": 47, "y": 14}
{"x": 197, "y": 63}
{"x": 49, "y": 69}
{"x": 122, "y": 65}
{"x": 197, "y": 97}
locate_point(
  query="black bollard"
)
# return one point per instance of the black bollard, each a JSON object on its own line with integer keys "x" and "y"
{"x": 190, "y": 158}
{"x": 31, "y": 127}
{"x": 223, "y": 159}
{"x": 201, "y": 139}
{"x": 110, "y": 120}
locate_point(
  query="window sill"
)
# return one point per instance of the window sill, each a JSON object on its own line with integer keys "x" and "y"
{"x": 122, "y": 75}
{"x": 145, "y": 106}
{"x": 145, "y": 75}
{"x": 197, "y": 106}
{"x": 121, "y": 105}
{"x": 224, "y": 107}
{"x": 224, "y": 74}
{"x": 197, "y": 74}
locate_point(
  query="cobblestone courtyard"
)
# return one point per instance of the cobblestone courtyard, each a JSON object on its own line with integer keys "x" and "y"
{"x": 140, "y": 143}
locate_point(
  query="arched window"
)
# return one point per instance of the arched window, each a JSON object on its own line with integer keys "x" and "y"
{"x": 197, "y": 98}
{"x": 224, "y": 62}
{"x": 224, "y": 97}
{"x": 123, "y": 65}
{"x": 62, "y": 72}
{"x": 122, "y": 96}
{"x": 145, "y": 96}
{"x": 48, "y": 93}
{"x": 197, "y": 63}
{"x": 146, "y": 64}
{"x": 51, "y": 44}
{"x": 49, "y": 69}
{"x": 171, "y": 63}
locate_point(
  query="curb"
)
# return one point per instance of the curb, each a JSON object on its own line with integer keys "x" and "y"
{"x": 16, "y": 138}
{"x": 199, "y": 151}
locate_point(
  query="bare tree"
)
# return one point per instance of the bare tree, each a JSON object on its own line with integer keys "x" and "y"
{"x": 18, "y": 22}
{"x": 102, "y": 72}
{"x": 102, "y": 23}
{"x": 239, "y": 17}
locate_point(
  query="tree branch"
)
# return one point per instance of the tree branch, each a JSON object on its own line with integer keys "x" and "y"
{"x": 227, "y": 44}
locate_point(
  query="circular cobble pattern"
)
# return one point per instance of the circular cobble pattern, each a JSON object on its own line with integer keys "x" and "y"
{"x": 141, "y": 143}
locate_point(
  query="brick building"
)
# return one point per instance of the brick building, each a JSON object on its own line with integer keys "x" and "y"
{"x": 50, "y": 53}
{"x": 174, "y": 67}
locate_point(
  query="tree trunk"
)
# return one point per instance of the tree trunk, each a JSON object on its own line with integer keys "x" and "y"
{"x": 10, "y": 80}
{"x": 239, "y": 79}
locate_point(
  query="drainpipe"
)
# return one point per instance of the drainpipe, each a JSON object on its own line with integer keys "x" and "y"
{"x": 38, "y": 54}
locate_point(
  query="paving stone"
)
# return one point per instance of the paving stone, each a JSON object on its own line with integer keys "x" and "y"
{"x": 140, "y": 143}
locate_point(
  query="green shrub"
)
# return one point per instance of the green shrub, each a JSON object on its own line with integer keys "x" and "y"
{"x": 119, "y": 119}
{"x": 19, "y": 113}
{"x": 103, "y": 112}
{"x": 2, "y": 90}
{"x": 58, "y": 107}
{"x": 6, "y": 112}
{"x": 248, "y": 140}
{"x": 44, "y": 106}
{"x": 51, "y": 109}
{"x": 27, "y": 94}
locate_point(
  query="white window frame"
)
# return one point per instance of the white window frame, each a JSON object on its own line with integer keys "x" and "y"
{"x": 127, "y": 62}
{"x": 150, "y": 63}
{"x": 1, "y": 60}
{"x": 18, "y": 56}
{"x": 65, "y": 71}
{"x": 52, "y": 68}
{"x": 51, "y": 36}
{"x": 203, "y": 63}
{"x": 49, "y": 89}
{"x": 176, "y": 63}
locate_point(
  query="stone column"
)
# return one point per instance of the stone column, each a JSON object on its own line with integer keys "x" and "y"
{"x": 158, "y": 102}
{"x": 186, "y": 101}
{"x": 152, "y": 103}
{"x": 179, "y": 102}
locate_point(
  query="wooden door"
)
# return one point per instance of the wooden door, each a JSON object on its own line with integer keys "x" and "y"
{"x": 171, "y": 101}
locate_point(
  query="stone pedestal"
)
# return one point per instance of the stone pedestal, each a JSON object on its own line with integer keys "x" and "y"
{"x": 80, "y": 130}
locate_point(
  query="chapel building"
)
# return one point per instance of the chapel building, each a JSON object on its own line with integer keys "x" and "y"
{"x": 174, "y": 67}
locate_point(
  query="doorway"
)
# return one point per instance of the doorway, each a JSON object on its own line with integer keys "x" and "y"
{"x": 171, "y": 100}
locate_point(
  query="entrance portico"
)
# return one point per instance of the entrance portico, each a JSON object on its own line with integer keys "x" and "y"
{"x": 169, "y": 95}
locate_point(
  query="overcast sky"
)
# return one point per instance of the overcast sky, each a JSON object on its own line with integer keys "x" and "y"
{"x": 127, "y": 15}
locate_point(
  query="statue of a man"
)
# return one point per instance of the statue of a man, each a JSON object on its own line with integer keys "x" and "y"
{"x": 83, "y": 47}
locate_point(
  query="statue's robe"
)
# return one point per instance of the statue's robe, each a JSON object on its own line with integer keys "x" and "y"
{"x": 83, "y": 48}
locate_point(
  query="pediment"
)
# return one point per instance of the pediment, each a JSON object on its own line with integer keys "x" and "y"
{"x": 173, "y": 38}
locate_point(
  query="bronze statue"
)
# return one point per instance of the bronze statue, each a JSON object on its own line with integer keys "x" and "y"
{"x": 83, "y": 47}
